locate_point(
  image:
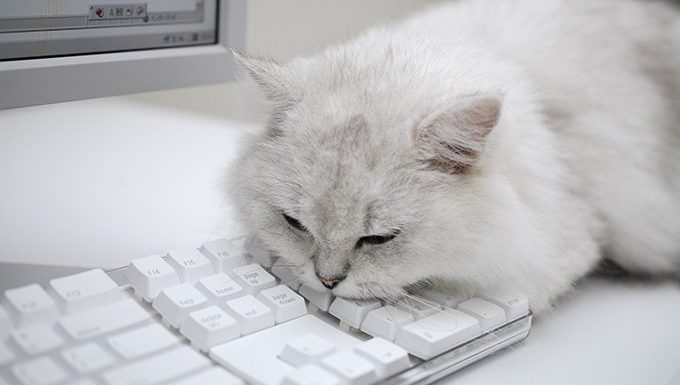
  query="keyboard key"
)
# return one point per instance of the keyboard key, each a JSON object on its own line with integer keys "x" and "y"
{"x": 418, "y": 307}
{"x": 225, "y": 255}
{"x": 249, "y": 355}
{"x": 104, "y": 319}
{"x": 260, "y": 253}
{"x": 320, "y": 299}
{"x": 176, "y": 302}
{"x": 31, "y": 304}
{"x": 142, "y": 341}
{"x": 438, "y": 333}
{"x": 189, "y": 264}
{"x": 386, "y": 322}
{"x": 310, "y": 375}
{"x": 5, "y": 323}
{"x": 352, "y": 312}
{"x": 6, "y": 354}
{"x": 208, "y": 327}
{"x": 158, "y": 368}
{"x": 351, "y": 368}
{"x": 87, "y": 358}
{"x": 253, "y": 278}
{"x": 252, "y": 315}
{"x": 220, "y": 286}
{"x": 490, "y": 316}
{"x": 212, "y": 376}
{"x": 514, "y": 304}
{"x": 149, "y": 275}
{"x": 37, "y": 338}
{"x": 306, "y": 349}
{"x": 85, "y": 290}
{"x": 446, "y": 300}
{"x": 41, "y": 371}
{"x": 286, "y": 273}
{"x": 284, "y": 302}
{"x": 387, "y": 357}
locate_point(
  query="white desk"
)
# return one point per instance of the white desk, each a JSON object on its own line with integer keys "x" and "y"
{"x": 99, "y": 182}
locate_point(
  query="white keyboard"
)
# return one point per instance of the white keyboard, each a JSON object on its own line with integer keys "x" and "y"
{"x": 230, "y": 313}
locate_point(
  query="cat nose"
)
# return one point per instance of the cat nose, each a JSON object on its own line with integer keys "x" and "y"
{"x": 330, "y": 282}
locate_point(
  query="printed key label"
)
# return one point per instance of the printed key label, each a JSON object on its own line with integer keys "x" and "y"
{"x": 187, "y": 302}
{"x": 190, "y": 263}
{"x": 75, "y": 293}
{"x": 283, "y": 299}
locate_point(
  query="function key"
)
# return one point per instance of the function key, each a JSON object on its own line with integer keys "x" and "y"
{"x": 225, "y": 254}
{"x": 149, "y": 275}
{"x": 189, "y": 264}
{"x": 31, "y": 304}
{"x": 84, "y": 290}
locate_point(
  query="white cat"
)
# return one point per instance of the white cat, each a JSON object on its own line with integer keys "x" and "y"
{"x": 478, "y": 146}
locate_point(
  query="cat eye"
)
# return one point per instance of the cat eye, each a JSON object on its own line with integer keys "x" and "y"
{"x": 376, "y": 239}
{"x": 294, "y": 223}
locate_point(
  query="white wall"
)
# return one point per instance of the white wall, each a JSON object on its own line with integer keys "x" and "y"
{"x": 282, "y": 30}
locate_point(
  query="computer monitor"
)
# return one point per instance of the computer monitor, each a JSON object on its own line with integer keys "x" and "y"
{"x": 52, "y": 51}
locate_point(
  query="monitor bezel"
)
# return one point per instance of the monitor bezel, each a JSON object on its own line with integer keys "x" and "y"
{"x": 58, "y": 79}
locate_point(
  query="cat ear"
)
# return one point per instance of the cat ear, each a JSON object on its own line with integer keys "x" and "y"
{"x": 275, "y": 80}
{"x": 451, "y": 139}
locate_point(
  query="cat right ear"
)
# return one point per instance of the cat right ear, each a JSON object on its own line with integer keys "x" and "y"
{"x": 275, "y": 80}
{"x": 451, "y": 140}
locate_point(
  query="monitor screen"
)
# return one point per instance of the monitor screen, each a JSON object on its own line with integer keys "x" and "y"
{"x": 60, "y": 50}
{"x": 48, "y": 28}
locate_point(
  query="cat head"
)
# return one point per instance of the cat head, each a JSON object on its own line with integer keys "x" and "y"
{"x": 367, "y": 180}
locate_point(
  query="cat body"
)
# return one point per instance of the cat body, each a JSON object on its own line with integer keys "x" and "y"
{"x": 478, "y": 146}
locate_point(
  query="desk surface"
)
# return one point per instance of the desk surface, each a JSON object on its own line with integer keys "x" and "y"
{"x": 99, "y": 182}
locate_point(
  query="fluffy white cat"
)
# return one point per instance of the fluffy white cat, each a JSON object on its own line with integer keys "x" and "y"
{"x": 478, "y": 146}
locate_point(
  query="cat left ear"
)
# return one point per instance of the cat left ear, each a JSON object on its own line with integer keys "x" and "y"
{"x": 452, "y": 139}
{"x": 275, "y": 80}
